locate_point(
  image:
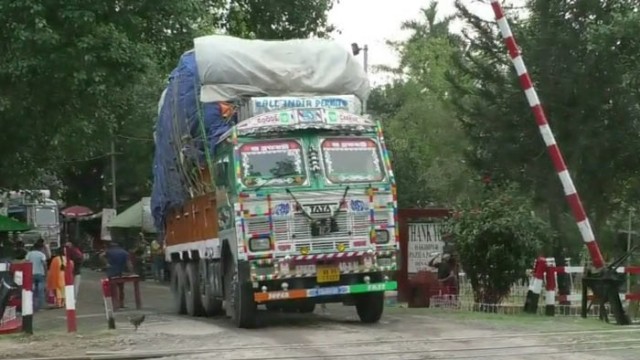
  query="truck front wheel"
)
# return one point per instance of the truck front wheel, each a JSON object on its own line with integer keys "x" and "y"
{"x": 370, "y": 307}
{"x": 177, "y": 288}
{"x": 240, "y": 304}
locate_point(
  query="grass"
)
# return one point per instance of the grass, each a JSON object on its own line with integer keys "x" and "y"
{"x": 520, "y": 321}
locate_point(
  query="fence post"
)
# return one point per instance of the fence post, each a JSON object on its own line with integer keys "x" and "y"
{"x": 70, "y": 296}
{"x": 108, "y": 303}
{"x": 535, "y": 288}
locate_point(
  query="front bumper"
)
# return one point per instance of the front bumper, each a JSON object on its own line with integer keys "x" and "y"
{"x": 328, "y": 291}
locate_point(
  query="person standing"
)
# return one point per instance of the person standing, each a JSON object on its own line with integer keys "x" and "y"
{"x": 77, "y": 257}
{"x": 20, "y": 252}
{"x": 39, "y": 265}
{"x": 446, "y": 274}
{"x": 118, "y": 262}
{"x": 158, "y": 260}
{"x": 55, "y": 276}
{"x": 45, "y": 248}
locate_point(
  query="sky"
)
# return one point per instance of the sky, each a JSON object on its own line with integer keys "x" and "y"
{"x": 372, "y": 22}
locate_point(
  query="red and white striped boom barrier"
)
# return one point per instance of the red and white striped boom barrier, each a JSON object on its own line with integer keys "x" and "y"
{"x": 553, "y": 149}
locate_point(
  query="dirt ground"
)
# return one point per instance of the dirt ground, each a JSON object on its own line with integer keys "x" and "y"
{"x": 331, "y": 334}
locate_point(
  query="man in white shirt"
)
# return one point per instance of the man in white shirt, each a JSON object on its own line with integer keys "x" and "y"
{"x": 39, "y": 265}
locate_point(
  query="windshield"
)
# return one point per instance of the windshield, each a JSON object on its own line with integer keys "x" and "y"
{"x": 46, "y": 216}
{"x": 278, "y": 162}
{"x": 352, "y": 160}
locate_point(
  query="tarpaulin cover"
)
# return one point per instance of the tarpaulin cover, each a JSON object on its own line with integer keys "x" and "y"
{"x": 180, "y": 115}
{"x": 231, "y": 68}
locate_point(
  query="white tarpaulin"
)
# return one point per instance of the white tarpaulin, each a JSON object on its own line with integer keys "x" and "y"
{"x": 230, "y": 68}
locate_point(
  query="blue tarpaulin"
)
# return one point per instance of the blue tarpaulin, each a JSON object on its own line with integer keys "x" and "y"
{"x": 179, "y": 130}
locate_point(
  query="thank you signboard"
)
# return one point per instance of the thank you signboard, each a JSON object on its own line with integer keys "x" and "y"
{"x": 424, "y": 242}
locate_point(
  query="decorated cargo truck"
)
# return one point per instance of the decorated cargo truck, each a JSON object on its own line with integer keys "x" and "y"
{"x": 270, "y": 186}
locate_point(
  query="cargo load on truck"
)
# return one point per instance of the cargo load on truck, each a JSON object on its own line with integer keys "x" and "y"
{"x": 214, "y": 78}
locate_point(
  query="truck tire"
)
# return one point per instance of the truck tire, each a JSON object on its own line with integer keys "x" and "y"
{"x": 210, "y": 299}
{"x": 273, "y": 307}
{"x": 177, "y": 288}
{"x": 240, "y": 304}
{"x": 192, "y": 290}
{"x": 307, "y": 307}
{"x": 370, "y": 307}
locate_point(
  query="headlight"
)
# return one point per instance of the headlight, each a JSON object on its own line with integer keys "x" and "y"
{"x": 382, "y": 236}
{"x": 259, "y": 244}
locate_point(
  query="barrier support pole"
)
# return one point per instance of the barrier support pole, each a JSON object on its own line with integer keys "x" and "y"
{"x": 108, "y": 303}
{"x": 70, "y": 296}
{"x": 550, "y": 294}
{"x": 535, "y": 288}
{"x": 27, "y": 297}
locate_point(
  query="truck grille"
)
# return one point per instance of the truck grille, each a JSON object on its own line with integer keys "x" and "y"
{"x": 296, "y": 229}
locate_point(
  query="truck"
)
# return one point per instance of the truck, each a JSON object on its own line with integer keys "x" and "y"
{"x": 36, "y": 208}
{"x": 271, "y": 187}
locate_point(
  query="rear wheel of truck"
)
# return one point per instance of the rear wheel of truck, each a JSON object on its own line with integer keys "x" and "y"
{"x": 192, "y": 290}
{"x": 240, "y": 304}
{"x": 177, "y": 288}
{"x": 370, "y": 307}
{"x": 211, "y": 287}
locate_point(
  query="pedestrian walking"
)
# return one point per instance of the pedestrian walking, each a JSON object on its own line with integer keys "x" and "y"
{"x": 39, "y": 270}
{"x": 158, "y": 261}
{"x": 55, "y": 276}
{"x": 75, "y": 255}
{"x": 118, "y": 262}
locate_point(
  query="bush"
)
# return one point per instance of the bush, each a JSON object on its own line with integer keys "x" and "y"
{"x": 497, "y": 240}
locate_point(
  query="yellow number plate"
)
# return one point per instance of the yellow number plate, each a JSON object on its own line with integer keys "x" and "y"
{"x": 328, "y": 274}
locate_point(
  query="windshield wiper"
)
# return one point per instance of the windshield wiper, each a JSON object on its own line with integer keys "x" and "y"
{"x": 278, "y": 176}
{"x": 304, "y": 211}
{"x": 332, "y": 219}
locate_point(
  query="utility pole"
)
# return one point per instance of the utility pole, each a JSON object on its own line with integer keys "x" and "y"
{"x": 355, "y": 50}
{"x": 114, "y": 200}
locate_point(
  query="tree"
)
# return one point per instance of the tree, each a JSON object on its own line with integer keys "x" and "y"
{"x": 75, "y": 75}
{"x": 426, "y": 142}
{"x": 278, "y": 19}
{"x": 582, "y": 56}
{"x": 496, "y": 240}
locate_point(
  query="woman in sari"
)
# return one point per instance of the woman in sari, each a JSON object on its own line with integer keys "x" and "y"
{"x": 55, "y": 276}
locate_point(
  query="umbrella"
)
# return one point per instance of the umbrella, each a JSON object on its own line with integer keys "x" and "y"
{"x": 9, "y": 224}
{"x": 76, "y": 211}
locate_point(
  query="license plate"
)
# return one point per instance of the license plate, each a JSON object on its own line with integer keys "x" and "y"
{"x": 328, "y": 274}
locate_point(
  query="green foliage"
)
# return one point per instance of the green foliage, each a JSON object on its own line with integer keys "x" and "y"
{"x": 583, "y": 58}
{"x": 75, "y": 75}
{"x": 426, "y": 141}
{"x": 278, "y": 19}
{"x": 497, "y": 239}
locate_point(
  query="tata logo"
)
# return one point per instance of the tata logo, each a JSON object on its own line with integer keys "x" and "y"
{"x": 319, "y": 208}
{"x": 279, "y": 295}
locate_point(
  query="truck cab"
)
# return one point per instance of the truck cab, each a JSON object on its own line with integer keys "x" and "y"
{"x": 306, "y": 210}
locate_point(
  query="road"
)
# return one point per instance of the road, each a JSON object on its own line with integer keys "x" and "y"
{"x": 334, "y": 334}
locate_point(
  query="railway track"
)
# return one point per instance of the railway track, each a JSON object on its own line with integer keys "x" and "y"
{"x": 507, "y": 346}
